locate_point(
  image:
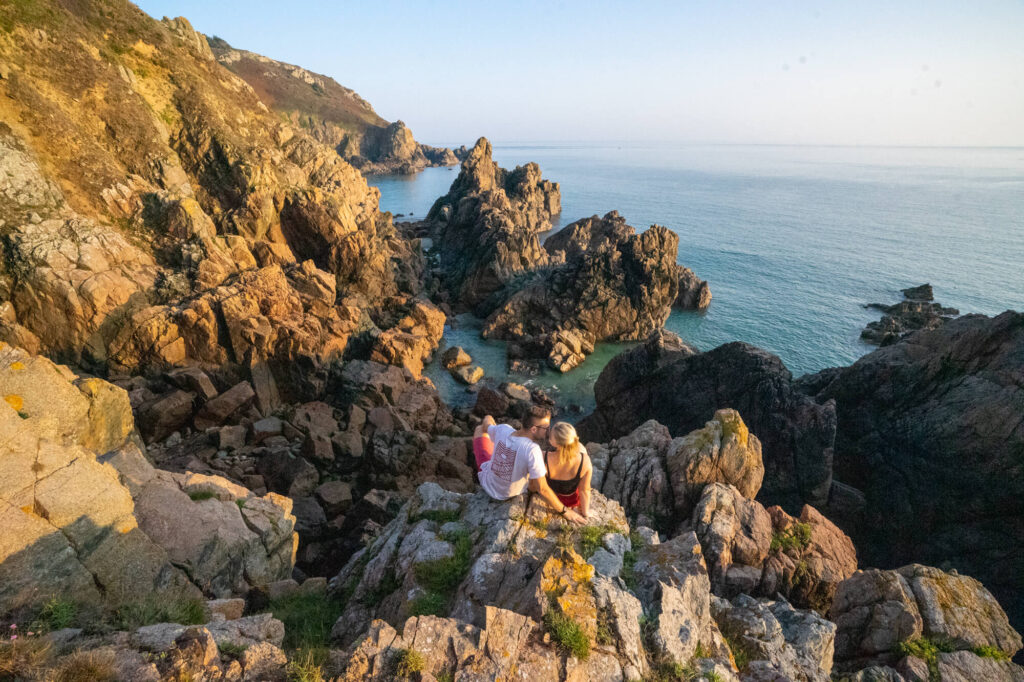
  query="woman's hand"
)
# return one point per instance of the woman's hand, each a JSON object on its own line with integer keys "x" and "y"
{"x": 572, "y": 516}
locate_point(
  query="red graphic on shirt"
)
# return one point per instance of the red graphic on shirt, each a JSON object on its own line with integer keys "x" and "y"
{"x": 502, "y": 461}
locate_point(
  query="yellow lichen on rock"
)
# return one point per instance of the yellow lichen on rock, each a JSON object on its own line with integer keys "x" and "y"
{"x": 15, "y": 401}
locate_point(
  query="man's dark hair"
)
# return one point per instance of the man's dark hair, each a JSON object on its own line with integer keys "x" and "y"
{"x": 536, "y": 415}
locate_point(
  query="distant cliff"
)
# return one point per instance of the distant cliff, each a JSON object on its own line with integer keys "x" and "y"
{"x": 333, "y": 114}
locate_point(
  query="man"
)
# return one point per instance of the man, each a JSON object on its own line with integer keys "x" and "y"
{"x": 508, "y": 460}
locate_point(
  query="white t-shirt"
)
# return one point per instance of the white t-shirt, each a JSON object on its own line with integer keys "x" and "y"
{"x": 515, "y": 458}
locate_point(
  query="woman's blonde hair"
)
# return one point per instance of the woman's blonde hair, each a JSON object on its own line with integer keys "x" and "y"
{"x": 563, "y": 436}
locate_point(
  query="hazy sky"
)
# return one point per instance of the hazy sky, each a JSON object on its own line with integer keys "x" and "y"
{"x": 907, "y": 73}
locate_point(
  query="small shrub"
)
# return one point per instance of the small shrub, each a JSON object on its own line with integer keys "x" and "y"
{"x": 408, "y": 662}
{"x": 987, "y": 651}
{"x": 797, "y": 536}
{"x": 87, "y": 666}
{"x": 307, "y": 665}
{"x": 200, "y": 495}
{"x": 445, "y": 676}
{"x": 568, "y": 634}
{"x": 590, "y": 538}
{"x": 928, "y": 650}
{"x": 429, "y": 604}
{"x": 232, "y": 650}
{"x": 56, "y": 614}
{"x": 444, "y": 575}
{"x": 307, "y": 618}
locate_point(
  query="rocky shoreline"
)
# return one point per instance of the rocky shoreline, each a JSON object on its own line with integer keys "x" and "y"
{"x": 220, "y": 459}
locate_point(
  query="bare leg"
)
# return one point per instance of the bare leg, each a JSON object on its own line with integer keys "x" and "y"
{"x": 487, "y": 423}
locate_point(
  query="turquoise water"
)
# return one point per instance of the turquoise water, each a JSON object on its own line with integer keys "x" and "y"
{"x": 793, "y": 240}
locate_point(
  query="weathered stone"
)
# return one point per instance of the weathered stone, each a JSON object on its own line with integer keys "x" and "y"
{"x": 455, "y": 357}
{"x": 228, "y": 403}
{"x": 724, "y": 451}
{"x": 335, "y": 496}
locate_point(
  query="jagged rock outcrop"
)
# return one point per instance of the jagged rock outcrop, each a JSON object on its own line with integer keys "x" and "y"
{"x": 929, "y": 431}
{"x": 85, "y": 513}
{"x": 694, "y": 293}
{"x": 690, "y": 484}
{"x": 916, "y": 312}
{"x": 877, "y": 612}
{"x": 191, "y": 184}
{"x": 666, "y": 380}
{"x": 486, "y": 227}
{"x": 615, "y": 285}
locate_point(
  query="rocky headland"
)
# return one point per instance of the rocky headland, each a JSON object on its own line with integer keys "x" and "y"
{"x": 915, "y": 312}
{"x": 333, "y": 114}
{"x": 220, "y": 458}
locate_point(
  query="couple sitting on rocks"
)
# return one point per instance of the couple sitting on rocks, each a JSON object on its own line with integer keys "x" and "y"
{"x": 506, "y": 458}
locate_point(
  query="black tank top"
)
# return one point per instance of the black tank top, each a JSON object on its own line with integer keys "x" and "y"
{"x": 564, "y": 487}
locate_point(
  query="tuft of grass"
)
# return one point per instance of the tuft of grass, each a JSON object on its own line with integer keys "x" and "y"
{"x": 232, "y": 650}
{"x": 58, "y": 613}
{"x": 307, "y": 618}
{"x": 988, "y": 651}
{"x": 23, "y": 658}
{"x": 429, "y": 604}
{"x": 200, "y": 495}
{"x": 444, "y": 575}
{"x": 240, "y": 503}
{"x": 384, "y": 588}
{"x": 87, "y": 666}
{"x": 797, "y": 536}
{"x": 155, "y": 609}
{"x": 928, "y": 650}
{"x": 408, "y": 662}
{"x": 628, "y": 572}
{"x": 307, "y": 665}
{"x": 604, "y": 628}
{"x": 567, "y": 633}
{"x": 445, "y": 676}
{"x": 441, "y": 516}
{"x": 740, "y": 654}
{"x": 590, "y": 538}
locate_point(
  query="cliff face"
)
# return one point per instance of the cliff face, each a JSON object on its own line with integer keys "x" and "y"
{"x": 332, "y": 114}
{"x": 140, "y": 175}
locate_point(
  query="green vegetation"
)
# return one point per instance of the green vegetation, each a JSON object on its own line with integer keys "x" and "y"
{"x": 307, "y": 666}
{"x": 429, "y": 604}
{"x": 200, "y": 495}
{"x": 740, "y": 655}
{"x": 441, "y": 577}
{"x": 232, "y": 650}
{"x": 567, "y": 633}
{"x": 797, "y": 536}
{"x": 446, "y": 676}
{"x": 987, "y": 651}
{"x": 408, "y": 662}
{"x": 56, "y": 614}
{"x": 157, "y": 609}
{"x": 307, "y": 618}
{"x": 928, "y": 650}
{"x": 590, "y": 538}
{"x": 604, "y": 629}
{"x": 241, "y": 504}
{"x": 384, "y": 588}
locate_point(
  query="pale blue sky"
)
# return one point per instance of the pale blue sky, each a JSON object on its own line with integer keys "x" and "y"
{"x": 781, "y": 72}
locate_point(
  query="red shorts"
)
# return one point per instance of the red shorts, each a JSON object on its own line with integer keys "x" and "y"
{"x": 569, "y": 501}
{"x": 483, "y": 449}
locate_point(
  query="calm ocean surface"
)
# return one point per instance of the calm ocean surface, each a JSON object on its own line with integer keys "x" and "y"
{"x": 792, "y": 240}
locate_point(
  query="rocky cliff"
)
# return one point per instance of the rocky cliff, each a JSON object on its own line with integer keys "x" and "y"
{"x": 333, "y": 114}
{"x": 910, "y": 449}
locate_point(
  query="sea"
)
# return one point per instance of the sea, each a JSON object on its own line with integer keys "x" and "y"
{"x": 793, "y": 241}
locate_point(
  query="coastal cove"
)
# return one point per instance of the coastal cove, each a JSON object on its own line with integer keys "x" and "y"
{"x": 792, "y": 240}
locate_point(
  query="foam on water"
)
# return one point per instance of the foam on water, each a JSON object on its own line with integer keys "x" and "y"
{"x": 793, "y": 240}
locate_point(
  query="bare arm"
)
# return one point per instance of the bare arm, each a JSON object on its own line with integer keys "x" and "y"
{"x": 588, "y": 472}
{"x": 541, "y": 487}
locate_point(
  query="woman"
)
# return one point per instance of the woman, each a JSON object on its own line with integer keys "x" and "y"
{"x": 569, "y": 468}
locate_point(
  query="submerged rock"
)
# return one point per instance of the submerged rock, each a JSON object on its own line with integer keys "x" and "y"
{"x": 915, "y": 313}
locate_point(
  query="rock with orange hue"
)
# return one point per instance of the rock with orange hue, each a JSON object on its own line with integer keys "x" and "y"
{"x": 412, "y": 341}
